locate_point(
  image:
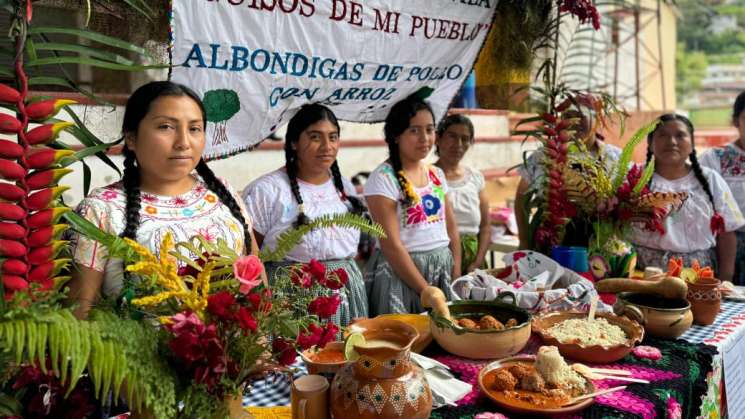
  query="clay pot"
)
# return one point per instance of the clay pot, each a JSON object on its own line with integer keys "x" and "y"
{"x": 705, "y": 299}
{"x": 661, "y": 317}
{"x": 383, "y": 382}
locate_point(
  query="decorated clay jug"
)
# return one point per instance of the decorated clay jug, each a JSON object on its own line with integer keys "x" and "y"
{"x": 382, "y": 382}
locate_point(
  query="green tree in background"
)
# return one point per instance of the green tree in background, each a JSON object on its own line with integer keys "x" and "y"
{"x": 690, "y": 67}
{"x": 221, "y": 105}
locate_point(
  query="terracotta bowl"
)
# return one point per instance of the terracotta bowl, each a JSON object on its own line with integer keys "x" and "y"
{"x": 661, "y": 317}
{"x": 589, "y": 353}
{"x": 420, "y": 322}
{"x": 482, "y": 344}
{"x": 316, "y": 367}
{"x": 521, "y": 408}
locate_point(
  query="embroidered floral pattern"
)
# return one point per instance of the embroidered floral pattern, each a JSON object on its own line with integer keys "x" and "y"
{"x": 732, "y": 162}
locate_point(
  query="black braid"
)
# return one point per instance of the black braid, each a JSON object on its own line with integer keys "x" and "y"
{"x": 215, "y": 185}
{"x": 357, "y": 206}
{"x": 131, "y": 184}
{"x": 395, "y": 159}
{"x": 291, "y": 166}
{"x": 701, "y": 178}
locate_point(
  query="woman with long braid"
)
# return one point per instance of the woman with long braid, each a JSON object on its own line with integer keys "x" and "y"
{"x": 166, "y": 187}
{"x": 409, "y": 199}
{"x": 729, "y": 161}
{"x": 704, "y": 227}
{"x": 309, "y": 186}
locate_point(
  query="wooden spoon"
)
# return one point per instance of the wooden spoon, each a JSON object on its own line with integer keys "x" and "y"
{"x": 667, "y": 287}
{"x": 593, "y": 308}
{"x": 593, "y": 394}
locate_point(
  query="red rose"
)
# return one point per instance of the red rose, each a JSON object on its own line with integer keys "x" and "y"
{"x": 317, "y": 270}
{"x": 301, "y": 277}
{"x": 336, "y": 280}
{"x": 310, "y": 336}
{"x": 247, "y": 270}
{"x": 284, "y": 351}
{"x": 219, "y": 304}
{"x": 329, "y": 334}
{"x": 245, "y": 319}
{"x": 324, "y": 306}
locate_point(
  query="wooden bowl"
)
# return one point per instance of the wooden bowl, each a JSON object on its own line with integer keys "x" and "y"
{"x": 523, "y": 408}
{"x": 482, "y": 344}
{"x": 597, "y": 354}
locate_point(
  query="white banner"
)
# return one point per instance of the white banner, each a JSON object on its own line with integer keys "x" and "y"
{"x": 255, "y": 62}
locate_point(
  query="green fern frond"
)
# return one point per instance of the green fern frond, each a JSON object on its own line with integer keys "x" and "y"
{"x": 644, "y": 179}
{"x": 290, "y": 238}
{"x": 628, "y": 150}
{"x": 112, "y": 349}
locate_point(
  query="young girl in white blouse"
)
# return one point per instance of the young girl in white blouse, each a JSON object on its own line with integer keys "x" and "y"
{"x": 729, "y": 162}
{"x": 409, "y": 199}
{"x": 455, "y": 135}
{"x": 704, "y": 227}
{"x": 309, "y": 186}
{"x": 166, "y": 187}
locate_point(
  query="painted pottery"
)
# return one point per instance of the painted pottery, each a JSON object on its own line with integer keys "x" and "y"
{"x": 382, "y": 382}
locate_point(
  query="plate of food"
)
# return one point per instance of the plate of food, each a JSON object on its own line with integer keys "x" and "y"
{"x": 732, "y": 292}
{"x": 540, "y": 385}
{"x": 605, "y": 339}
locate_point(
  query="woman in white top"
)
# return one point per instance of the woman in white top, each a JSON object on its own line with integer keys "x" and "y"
{"x": 409, "y": 199}
{"x": 467, "y": 194}
{"x": 309, "y": 186}
{"x": 164, "y": 137}
{"x": 729, "y": 162}
{"x": 578, "y": 231}
{"x": 703, "y": 228}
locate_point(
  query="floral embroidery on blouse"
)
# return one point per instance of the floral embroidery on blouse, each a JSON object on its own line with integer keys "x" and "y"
{"x": 731, "y": 162}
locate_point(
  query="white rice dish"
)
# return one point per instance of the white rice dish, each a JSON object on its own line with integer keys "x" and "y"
{"x": 588, "y": 333}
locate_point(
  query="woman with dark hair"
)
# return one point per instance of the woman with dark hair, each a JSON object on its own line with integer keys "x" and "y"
{"x": 166, "y": 187}
{"x": 309, "y": 186}
{"x": 729, "y": 162}
{"x": 703, "y": 228}
{"x": 409, "y": 199}
{"x": 467, "y": 190}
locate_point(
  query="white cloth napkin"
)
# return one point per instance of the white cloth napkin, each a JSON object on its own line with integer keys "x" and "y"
{"x": 446, "y": 389}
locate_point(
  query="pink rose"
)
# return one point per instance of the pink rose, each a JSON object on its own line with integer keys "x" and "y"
{"x": 247, "y": 270}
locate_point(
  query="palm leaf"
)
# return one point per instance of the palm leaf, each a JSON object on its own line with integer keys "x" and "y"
{"x": 93, "y": 36}
{"x": 290, "y": 238}
{"x": 96, "y": 344}
{"x": 644, "y": 179}
{"x": 628, "y": 151}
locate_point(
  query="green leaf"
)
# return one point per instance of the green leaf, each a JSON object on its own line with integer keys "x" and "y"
{"x": 628, "y": 151}
{"x": 59, "y": 81}
{"x": 91, "y": 62}
{"x": 644, "y": 179}
{"x": 88, "y": 151}
{"x": 88, "y": 139}
{"x": 93, "y": 36}
{"x": 86, "y": 179}
{"x": 142, "y": 7}
{"x": 83, "y": 50}
{"x": 30, "y": 50}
